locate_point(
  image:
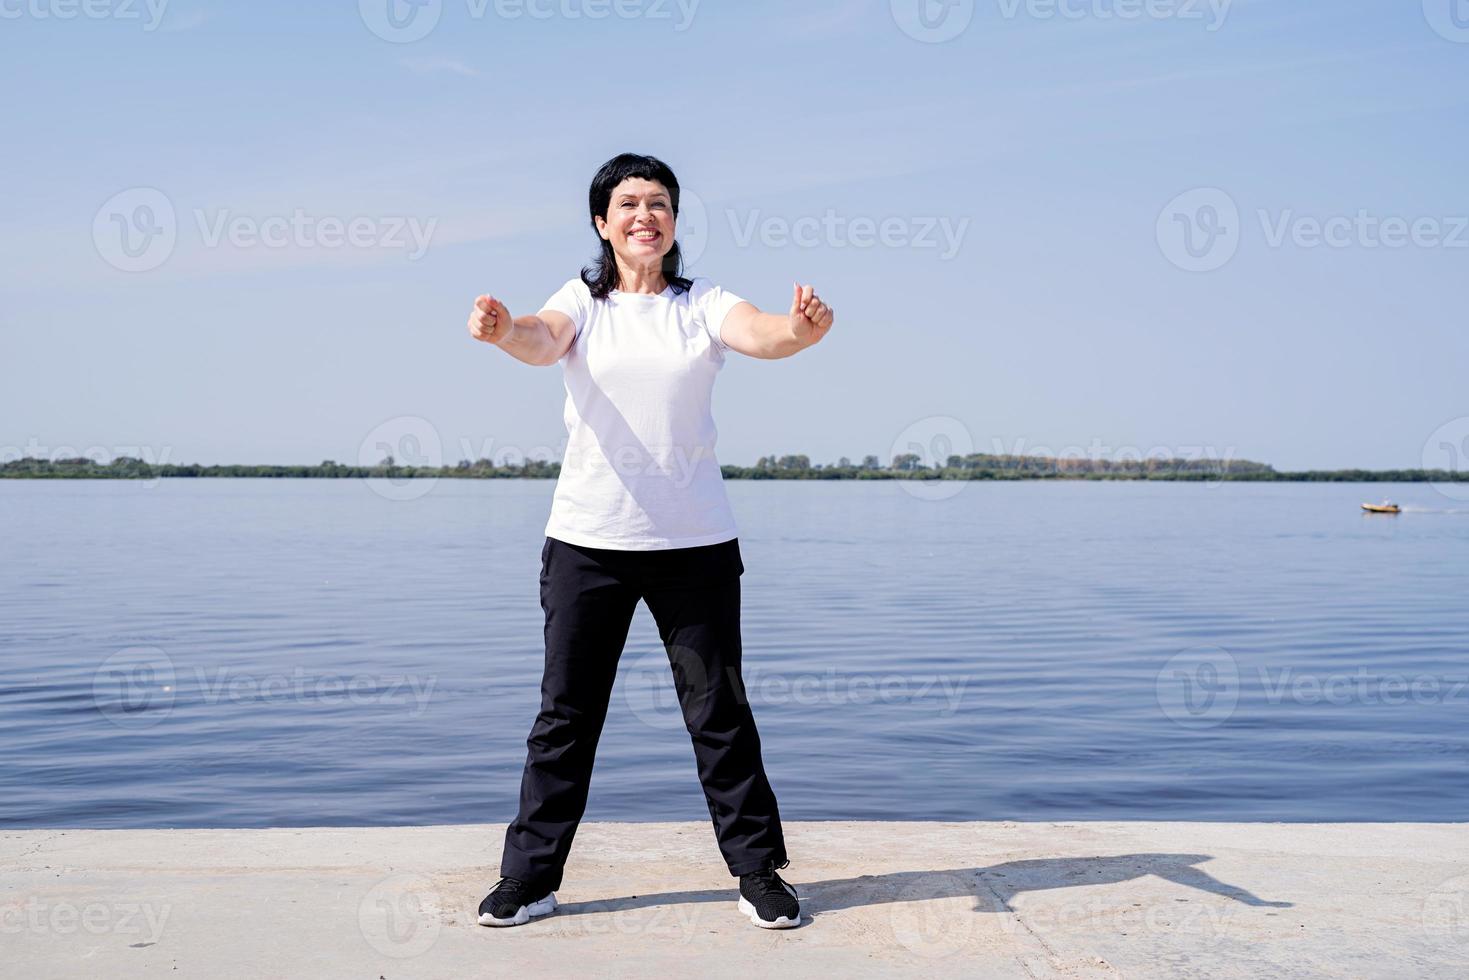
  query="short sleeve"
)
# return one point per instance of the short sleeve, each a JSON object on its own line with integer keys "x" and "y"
{"x": 572, "y": 301}
{"x": 715, "y": 303}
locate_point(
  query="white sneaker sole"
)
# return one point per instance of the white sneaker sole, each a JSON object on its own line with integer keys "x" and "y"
{"x": 524, "y": 914}
{"x": 747, "y": 909}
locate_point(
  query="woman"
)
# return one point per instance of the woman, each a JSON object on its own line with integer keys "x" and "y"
{"x": 640, "y": 512}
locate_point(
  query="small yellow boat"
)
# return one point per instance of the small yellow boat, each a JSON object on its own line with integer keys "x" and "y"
{"x": 1386, "y": 507}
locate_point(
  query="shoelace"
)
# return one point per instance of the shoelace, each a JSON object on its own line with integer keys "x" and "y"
{"x": 509, "y": 888}
{"x": 767, "y": 882}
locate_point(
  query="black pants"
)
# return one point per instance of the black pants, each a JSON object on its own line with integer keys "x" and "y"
{"x": 589, "y": 596}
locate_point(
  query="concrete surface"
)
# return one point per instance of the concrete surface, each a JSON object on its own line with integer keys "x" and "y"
{"x": 649, "y": 900}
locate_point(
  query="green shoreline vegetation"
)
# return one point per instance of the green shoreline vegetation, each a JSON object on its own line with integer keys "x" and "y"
{"x": 978, "y": 466}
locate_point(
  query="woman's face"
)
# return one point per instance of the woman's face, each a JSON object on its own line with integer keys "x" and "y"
{"x": 639, "y": 222}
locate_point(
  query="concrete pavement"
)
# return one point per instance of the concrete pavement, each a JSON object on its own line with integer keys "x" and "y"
{"x": 999, "y": 900}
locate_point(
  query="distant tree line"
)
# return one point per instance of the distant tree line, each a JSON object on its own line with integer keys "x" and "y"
{"x": 984, "y": 466}
{"x": 905, "y": 466}
{"x": 128, "y": 467}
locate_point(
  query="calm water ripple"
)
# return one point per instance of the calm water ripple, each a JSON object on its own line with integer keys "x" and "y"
{"x": 250, "y": 653}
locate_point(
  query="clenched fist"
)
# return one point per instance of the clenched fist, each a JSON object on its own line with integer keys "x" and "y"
{"x": 811, "y": 318}
{"x": 489, "y": 320}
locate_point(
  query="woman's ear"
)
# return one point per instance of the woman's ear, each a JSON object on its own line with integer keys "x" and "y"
{"x": 601, "y": 227}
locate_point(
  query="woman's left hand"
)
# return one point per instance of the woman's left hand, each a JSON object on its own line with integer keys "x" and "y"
{"x": 810, "y": 317}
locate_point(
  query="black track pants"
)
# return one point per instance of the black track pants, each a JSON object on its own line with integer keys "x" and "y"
{"x": 589, "y": 596}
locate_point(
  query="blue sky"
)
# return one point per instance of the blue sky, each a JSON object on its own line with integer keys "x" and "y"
{"x": 996, "y": 218}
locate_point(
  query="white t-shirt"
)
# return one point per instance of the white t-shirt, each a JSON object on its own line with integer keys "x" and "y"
{"x": 639, "y": 473}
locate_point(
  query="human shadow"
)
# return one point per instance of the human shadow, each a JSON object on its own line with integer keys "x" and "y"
{"x": 993, "y": 886}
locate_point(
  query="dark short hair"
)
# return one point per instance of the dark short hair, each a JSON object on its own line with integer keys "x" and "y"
{"x": 601, "y": 275}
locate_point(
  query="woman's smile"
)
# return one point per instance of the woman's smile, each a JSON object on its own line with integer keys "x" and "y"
{"x": 639, "y": 224}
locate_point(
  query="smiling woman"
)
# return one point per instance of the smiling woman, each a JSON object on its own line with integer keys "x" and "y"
{"x": 640, "y": 514}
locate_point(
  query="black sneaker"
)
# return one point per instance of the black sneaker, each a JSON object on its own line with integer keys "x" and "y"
{"x": 770, "y": 902}
{"x": 512, "y": 902}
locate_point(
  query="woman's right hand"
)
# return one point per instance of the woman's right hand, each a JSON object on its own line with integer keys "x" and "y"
{"x": 489, "y": 320}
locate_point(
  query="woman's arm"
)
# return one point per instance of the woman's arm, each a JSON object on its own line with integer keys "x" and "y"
{"x": 771, "y": 335}
{"x": 540, "y": 340}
